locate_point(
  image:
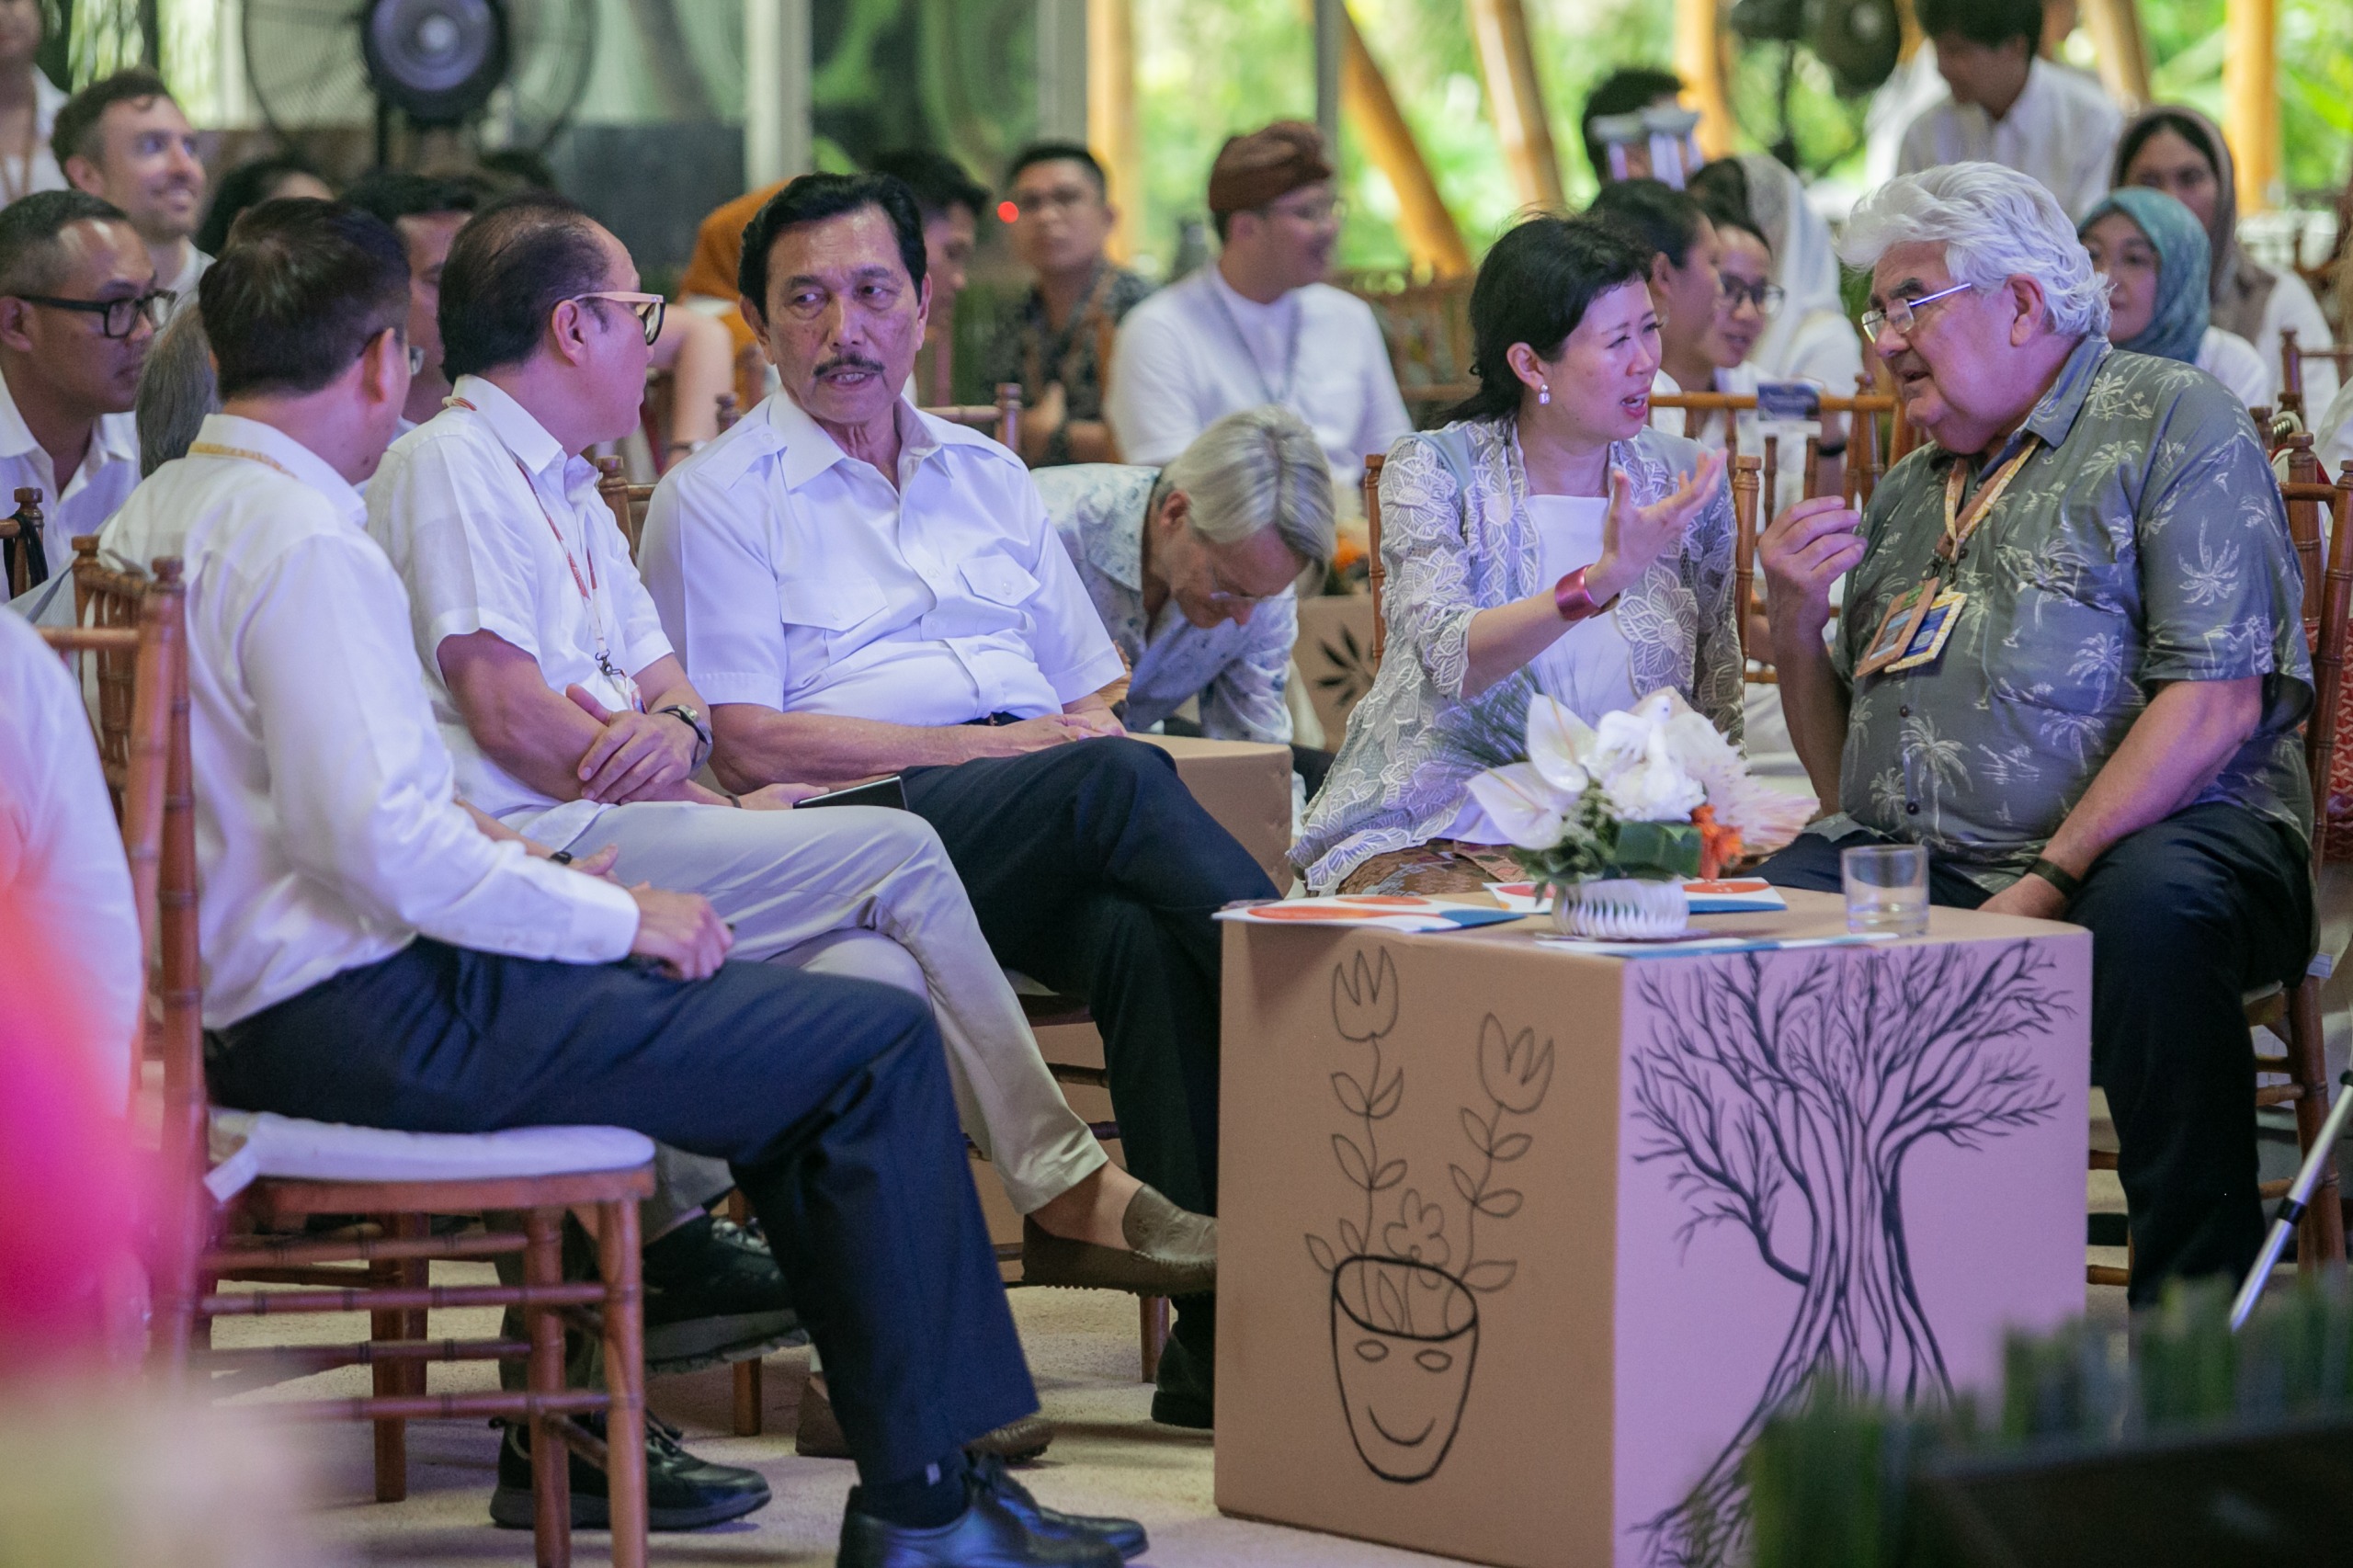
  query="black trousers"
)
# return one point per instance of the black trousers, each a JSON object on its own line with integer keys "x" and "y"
{"x": 2186, "y": 916}
{"x": 829, "y": 1098}
{"x": 1093, "y": 869}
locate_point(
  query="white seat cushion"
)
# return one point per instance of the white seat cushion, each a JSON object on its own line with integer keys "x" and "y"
{"x": 249, "y": 1144}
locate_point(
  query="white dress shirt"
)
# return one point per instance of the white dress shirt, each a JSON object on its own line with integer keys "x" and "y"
{"x": 2232, "y": 361}
{"x": 2061, "y": 131}
{"x": 792, "y": 576}
{"x": 493, "y": 528}
{"x": 62, "y": 865}
{"x": 40, "y": 170}
{"x": 328, "y": 835}
{"x": 1197, "y": 351}
{"x": 108, "y": 472}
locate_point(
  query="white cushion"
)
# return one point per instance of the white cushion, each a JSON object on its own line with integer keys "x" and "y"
{"x": 249, "y": 1144}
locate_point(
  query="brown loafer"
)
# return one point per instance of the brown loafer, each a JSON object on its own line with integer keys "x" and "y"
{"x": 1170, "y": 1252}
{"x": 817, "y": 1435}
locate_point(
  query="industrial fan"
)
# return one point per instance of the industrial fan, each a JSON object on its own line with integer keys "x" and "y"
{"x": 438, "y": 64}
{"x": 1858, "y": 41}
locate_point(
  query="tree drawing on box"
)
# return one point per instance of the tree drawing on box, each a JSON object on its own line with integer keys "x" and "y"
{"x": 1784, "y": 1100}
{"x": 1405, "y": 1304}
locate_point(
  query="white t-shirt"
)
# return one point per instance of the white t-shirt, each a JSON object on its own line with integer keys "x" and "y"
{"x": 2232, "y": 361}
{"x": 494, "y": 527}
{"x": 1197, "y": 351}
{"x": 2061, "y": 131}
{"x": 1588, "y": 669}
{"x": 62, "y": 865}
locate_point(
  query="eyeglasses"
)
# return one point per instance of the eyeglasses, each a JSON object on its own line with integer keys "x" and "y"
{"x": 1904, "y": 314}
{"x": 120, "y": 315}
{"x": 415, "y": 360}
{"x": 646, "y": 308}
{"x": 1766, "y": 297}
{"x": 1039, "y": 203}
{"x": 1314, "y": 214}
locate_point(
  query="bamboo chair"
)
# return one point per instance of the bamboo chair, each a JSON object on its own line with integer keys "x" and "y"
{"x": 653, "y": 417}
{"x": 2291, "y": 372}
{"x": 19, "y": 534}
{"x": 627, "y": 502}
{"x": 134, "y": 627}
{"x": 1866, "y": 409}
{"x": 1376, "y": 573}
{"x": 2293, "y": 1013}
{"x": 1000, "y": 419}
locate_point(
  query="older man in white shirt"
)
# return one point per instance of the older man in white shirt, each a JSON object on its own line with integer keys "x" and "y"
{"x": 2005, "y": 105}
{"x": 572, "y": 722}
{"x": 374, "y": 958}
{"x": 1260, "y": 325}
{"x": 78, "y": 308}
{"x": 860, "y": 589}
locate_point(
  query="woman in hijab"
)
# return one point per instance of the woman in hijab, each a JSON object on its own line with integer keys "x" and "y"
{"x": 2155, "y": 257}
{"x": 2181, "y": 152}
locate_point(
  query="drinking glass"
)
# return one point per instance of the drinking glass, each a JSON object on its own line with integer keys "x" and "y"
{"x": 1887, "y": 889}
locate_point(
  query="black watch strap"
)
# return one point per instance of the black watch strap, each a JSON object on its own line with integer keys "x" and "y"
{"x": 2058, "y": 876}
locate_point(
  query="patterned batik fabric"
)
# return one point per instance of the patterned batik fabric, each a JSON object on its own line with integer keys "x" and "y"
{"x": 1030, "y": 352}
{"x": 2145, "y": 542}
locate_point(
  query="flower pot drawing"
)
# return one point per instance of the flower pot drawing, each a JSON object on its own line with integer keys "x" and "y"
{"x": 1405, "y": 1339}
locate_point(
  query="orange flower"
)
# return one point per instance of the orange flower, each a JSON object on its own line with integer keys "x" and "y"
{"x": 1719, "y": 845}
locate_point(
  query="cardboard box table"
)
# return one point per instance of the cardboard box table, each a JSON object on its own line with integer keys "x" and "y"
{"x": 1518, "y": 1247}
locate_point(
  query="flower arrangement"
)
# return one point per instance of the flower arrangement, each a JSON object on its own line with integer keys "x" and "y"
{"x": 1653, "y": 794}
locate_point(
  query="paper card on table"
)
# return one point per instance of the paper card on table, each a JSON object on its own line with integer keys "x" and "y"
{"x": 1390, "y": 912}
{"x": 1741, "y": 896}
{"x": 1708, "y": 947}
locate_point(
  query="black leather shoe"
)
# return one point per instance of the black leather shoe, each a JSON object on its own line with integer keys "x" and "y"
{"x": 713, "y": 1293}
{"x": 1126, "y": 1536}
{"x": 992, "y": 1532}
{"x": 1187, "y": 1394}
{"x": 682, "y": 1492}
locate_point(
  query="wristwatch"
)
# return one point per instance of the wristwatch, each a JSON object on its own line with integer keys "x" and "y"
{"x": 691, "y": 717}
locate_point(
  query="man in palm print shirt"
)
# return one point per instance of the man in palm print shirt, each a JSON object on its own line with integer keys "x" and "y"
{"x": 2107, "y": 733}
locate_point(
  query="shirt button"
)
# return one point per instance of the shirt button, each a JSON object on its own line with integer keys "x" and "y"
{"x": 1904, "y": 712}
{"x": 1912, "y": 808}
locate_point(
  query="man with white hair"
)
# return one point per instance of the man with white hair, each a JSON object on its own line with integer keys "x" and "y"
{"x": 2070, "y": 664}
{"x": 1191, "y": 568}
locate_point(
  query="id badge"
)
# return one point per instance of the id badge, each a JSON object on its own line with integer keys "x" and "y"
{"x": 1928, "y": 640}
{"x": 1894, "y": 638}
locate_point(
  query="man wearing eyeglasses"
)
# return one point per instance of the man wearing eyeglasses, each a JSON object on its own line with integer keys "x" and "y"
{"x": 78, "y": 307}
{"x": 1261, "y": 325}
{"x": 2071, "y": 664}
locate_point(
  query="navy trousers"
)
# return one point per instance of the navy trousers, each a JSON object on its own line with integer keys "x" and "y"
{"x": 2186, "y": 916}
{"x": 1093, "y": 869}
{"x": 828, "y": 1096}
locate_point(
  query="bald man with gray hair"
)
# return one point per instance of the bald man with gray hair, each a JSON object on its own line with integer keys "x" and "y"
{"x": 1191, "y": 567}
{"x": 2070, "y": 664}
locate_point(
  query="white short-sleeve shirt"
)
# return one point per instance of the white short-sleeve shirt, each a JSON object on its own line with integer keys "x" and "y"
{"x": 791, "y": 576}
{"x": 2061, "y": 131}
{"x": 495, "y": 528}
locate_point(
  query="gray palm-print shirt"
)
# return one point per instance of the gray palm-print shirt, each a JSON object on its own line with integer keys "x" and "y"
{"x": 2143, "y": 543}
{"x": 1455, "y": 540}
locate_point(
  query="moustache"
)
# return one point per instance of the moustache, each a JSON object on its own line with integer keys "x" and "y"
{"x": 850, "y": 362}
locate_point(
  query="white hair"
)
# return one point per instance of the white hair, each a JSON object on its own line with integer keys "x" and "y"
{"x": 1994, "y": 225}
{"x": 1253, "y": 471}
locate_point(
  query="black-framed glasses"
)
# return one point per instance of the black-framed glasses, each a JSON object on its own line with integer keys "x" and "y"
{"x": 1766, "y": 297}
{"x": 646, "y": 308}
{"x": 120, "y": 316}
{"x": 415, "y": 360}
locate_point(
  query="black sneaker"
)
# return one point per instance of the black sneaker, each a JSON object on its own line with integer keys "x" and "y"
{"x": 713, "y": 1293}
{"x": 682, "y": 1492}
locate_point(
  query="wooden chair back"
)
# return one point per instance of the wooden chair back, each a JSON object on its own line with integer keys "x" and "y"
{"x": 1377, "y": 574}
{"x": 730, "y": 411}
{"x": 628, "y": 502}
{"x": 751, "y": 375}
{"x": 20, "y": 534}
{"x": 1000, "y": 419}
{"x": 1746, "y": 482}
{"x": 1866, "y": 410}
{"x": 2316, "y": 508}
{"x": 2292, "y": 357}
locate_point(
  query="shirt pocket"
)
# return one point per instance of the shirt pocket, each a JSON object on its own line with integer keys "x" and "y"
{"x": 821, "y": 617}
{"x": 998, "y": 579}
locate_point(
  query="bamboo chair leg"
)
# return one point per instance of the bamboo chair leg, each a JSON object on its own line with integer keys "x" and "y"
{"x": 624, "y": 1380}
{"x": 389, "y": 1378}
{"x": 550, "y": 1457}
{"x": 751, "y": 1394}
{"x": 2321, "y": 1239}
{"x": 1152, "y": 1315}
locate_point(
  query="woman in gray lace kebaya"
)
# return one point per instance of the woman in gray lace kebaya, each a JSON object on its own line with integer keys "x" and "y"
{"x": 1547, "y": 540}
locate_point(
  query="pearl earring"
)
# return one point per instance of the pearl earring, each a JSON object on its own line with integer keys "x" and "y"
{"x": 1543, "y": 392}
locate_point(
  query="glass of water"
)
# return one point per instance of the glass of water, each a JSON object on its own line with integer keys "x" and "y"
{"x": 1887, "y": 889}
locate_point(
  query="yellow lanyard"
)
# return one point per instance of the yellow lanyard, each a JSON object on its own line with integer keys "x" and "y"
{"x": 215, "y": 449}
{"x": 1959, "y": 524}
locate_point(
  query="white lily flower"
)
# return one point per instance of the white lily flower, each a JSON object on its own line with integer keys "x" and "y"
{"x": 1559, "y": 746}
{"x": 1522, "y": 804}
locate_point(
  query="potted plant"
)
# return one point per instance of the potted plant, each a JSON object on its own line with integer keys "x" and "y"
{"x": 1615, "y": 818}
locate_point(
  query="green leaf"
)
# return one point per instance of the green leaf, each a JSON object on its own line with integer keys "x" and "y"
{"x": 1657, "y": 850}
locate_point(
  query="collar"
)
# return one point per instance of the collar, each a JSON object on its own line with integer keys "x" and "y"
{"x": 1125, "y": 515}
{"x": 514, "y": 426}
{"x": 114, "y": 438}
{"x": 297, "y": 459}
{"x": 810, "y": 451}
{"x": 1239, "y": 302}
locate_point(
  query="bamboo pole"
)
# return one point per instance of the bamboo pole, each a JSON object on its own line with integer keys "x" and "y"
{"x": 1111, "y": 114}
{"x": 1516, "y": 100}
{"x": 2251, "y": 98}
{"x": 1432, "y": 239}
{"x": 1702, "y": 59}
{"x": 2124, "y": 48}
